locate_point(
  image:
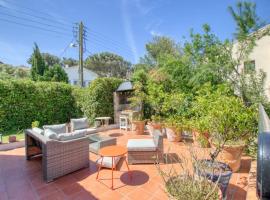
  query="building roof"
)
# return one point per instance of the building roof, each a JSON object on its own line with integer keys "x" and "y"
{"x": 125, "y": 86}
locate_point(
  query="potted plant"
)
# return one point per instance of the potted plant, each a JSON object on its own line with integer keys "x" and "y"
{"x": 228, "y": 122}
{"x": 138, "y": 123}
{"x": 185, "y": 185}
{"x": 173, "y": 130}
{"x": 137, "y": 102}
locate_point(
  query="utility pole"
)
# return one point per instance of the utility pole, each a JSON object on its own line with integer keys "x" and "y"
{"x": 81, "y": 42}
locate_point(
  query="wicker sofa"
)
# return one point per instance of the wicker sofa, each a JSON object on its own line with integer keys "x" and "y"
{"x": 58, "y": 157}
{"x": 146, "y": 150}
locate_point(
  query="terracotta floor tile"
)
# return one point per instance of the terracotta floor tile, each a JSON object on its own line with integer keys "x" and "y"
{"x": 146, "y": 183}
{"x": 56, "y": 195}
{"x": 47, "y": 190}
{"x": 72, "y": 189}
{"x": 139, "y": 194}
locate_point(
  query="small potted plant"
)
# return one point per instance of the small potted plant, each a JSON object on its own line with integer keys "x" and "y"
{"x": 138, "y": 124}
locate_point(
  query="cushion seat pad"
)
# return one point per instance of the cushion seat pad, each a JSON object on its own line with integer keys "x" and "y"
{"x": 141, "y": 145}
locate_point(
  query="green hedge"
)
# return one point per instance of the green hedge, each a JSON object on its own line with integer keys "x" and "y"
{"x": 97, "y": 99}
{"x": 22, "y": 102}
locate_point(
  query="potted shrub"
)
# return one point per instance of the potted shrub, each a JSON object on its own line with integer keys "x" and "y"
{"x": 228, "y": 121}
{"x": 137, "y": 102}
{"x": 155, "y": 122}
{"x": 184, "y": 184}
{"x": 173, "y": 130}
{"x": 138, "y": 123}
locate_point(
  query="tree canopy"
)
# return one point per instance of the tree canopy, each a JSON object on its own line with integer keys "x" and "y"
{"x": 108, "y": 64}
{"x": 56, "y": 74}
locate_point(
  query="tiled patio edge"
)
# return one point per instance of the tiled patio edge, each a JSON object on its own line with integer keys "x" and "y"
{"x": 251, "y": 192}
{"x": 10, "y": 146}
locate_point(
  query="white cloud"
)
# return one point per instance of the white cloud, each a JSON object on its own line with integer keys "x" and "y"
{"x": 128, "y": 30}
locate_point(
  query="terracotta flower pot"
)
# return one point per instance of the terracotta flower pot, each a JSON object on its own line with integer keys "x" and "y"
{"x": 156, "y": 125}
{"x": 231, "y": 155}
{"x": 196, "y": 135}
{"x": 173, "y": 135}
{"x": 12, "y": 138}
{"x": 139, "y": 127}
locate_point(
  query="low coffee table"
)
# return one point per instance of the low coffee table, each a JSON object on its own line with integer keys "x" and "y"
{"x": 112, "y": 151}
{"x": 98, "y": 141}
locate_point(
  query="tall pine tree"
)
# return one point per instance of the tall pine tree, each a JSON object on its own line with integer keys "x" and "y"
{"x": 38, "y": 64}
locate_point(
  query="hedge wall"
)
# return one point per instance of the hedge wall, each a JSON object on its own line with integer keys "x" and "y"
{"x": 22, "y": 102}
{"x": 97, "y": 99}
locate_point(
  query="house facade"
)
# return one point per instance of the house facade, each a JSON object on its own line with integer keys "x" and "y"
{"x": 73, "y": 75}
{"x": 259, "y": 59}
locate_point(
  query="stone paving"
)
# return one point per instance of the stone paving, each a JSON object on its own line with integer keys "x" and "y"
{"x": 21, "y": 179}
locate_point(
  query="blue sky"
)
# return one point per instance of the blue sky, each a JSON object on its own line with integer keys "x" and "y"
{"x": 119, "y": 26}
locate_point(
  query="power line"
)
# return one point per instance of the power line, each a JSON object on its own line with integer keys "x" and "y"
{"x": 33, "y": 10}
{"x": 101, "y": 35}
{"x": 66, "y": 48}
{"x": 109, "y": 48}
{"x": 27, "y": 19}
{"x": 35, "y": 27}
{"x": 35, "y": 16}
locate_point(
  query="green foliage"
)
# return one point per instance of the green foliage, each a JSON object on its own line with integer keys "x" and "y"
{"x": 160, "y": 46}
{"x": 108, "y": 64}
{"x": 35, "y": 124}
{"x": 224, "y": 116}
{"x": 70, "y": 62}
{"x": 22, "y": 102}
{"x": 13, "y": 72}
{"x": 38, "y": 64}
{"x": 97, "y": 100}
{"x": 56, "y": 74}
{"x": 246, "y": 19}
{"x": 49, "y": 59}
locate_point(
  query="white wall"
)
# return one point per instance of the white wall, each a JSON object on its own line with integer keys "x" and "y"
{"x": 73, "y": 75}
{"x": 261, "y": 55}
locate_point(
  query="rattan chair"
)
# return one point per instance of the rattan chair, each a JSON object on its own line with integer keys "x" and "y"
{"x": 58, "y": 157}
{"x": 145, "y": 150}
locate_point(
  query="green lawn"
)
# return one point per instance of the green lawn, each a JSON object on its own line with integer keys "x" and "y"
{"x": 19, "y": 135}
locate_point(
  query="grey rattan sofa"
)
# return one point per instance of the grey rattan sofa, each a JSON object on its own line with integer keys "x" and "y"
{"x": 58, "y": 157}
{"x": 145, "y": 150}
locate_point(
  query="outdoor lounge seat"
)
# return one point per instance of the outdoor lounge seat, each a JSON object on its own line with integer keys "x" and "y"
{"x": 59, "y": 157}
{"x": 145, "y": 150}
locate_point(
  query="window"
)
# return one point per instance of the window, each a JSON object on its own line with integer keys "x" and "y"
{"x": 75, "y": 82}
{"x": 249, "y": 66}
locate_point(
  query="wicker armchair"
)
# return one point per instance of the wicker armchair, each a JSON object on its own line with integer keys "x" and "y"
{"x": 58, "y": 157}
{"x": 145, "y": 150}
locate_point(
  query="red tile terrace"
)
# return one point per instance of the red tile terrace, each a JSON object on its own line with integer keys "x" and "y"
{"x": 21, "y": 179}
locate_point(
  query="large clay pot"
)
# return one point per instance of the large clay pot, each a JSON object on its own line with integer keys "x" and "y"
{"x": 231, "y": 155}
{"x": 156, "y": 125}
{"x": 139, "y": 127}
{"x": 223, "y": 177}
{"x": 173, "y": 135}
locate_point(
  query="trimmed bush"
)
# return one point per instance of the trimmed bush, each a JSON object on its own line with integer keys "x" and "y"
{"x": 97, "y": 100}
{"x": 22, "y": 102}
